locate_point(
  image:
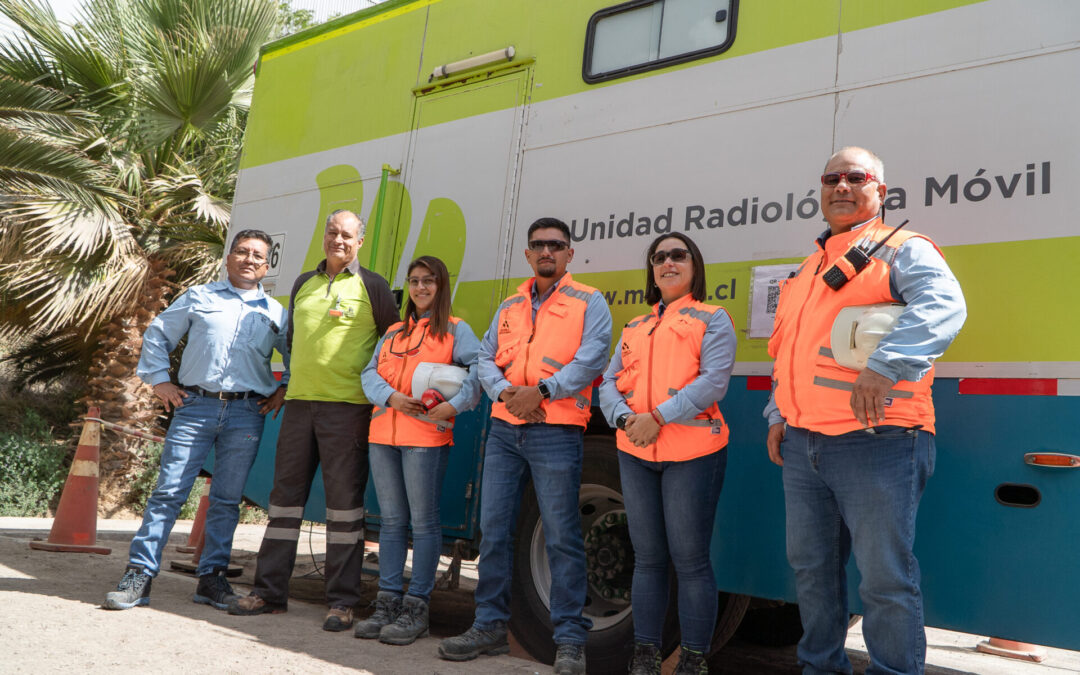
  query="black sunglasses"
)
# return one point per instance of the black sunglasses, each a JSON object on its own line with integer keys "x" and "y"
{"x": 538, "y": 245}
{"x": 676, "y": 254}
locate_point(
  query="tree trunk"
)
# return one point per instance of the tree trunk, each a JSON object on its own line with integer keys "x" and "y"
{"x": 113, "y": 384}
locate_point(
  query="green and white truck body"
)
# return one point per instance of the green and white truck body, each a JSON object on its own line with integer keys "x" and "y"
{"x": 714, "y": 118}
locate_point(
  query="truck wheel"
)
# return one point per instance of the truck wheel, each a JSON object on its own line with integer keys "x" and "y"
{"x": 610, "y": 567}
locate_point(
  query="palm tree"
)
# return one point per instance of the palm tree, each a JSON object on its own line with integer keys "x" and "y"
{"x": 119, "y": 139}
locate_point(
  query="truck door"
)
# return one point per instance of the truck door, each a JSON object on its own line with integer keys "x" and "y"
{"x": 460, "y": 176}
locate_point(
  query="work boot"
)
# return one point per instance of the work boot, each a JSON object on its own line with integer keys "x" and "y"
{"x": 569, "y": 660}
{"x": 387, "y": 606}
{"x": 646, "y": 660}
{"x": 338, "y": 619}
{"x": 132, "y": 591}
{"x": 214, "y": 590}
{"x": 411, "y": 623}
{"x": 475, "y": 642}
{"x": 253, "y": 604}
{"x": 692, "y": 663}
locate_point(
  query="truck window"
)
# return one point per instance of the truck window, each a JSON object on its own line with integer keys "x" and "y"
{"x": 642, "y": 35}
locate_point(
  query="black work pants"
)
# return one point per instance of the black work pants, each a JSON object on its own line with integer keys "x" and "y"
{"x": 334, "y": 434}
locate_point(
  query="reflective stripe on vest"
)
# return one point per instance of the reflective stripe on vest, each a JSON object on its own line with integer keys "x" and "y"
{"x": 401, "y": 352}
{"x": 528, "y": 353}
{"x": 811, "y": 389}
{"x": 660, "y": 356}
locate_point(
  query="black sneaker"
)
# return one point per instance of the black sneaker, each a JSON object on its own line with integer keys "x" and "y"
{"x": 411, "y": 623}
{"x": 692, "y": 663}
{"x": 387, "y": 607}
{"x": 214, "y": 590}
{"x": 473, "y": 643}
{"x": 646, "y": 660}
{"x": 569, "y": 660}
{"x": 132, "y": 591}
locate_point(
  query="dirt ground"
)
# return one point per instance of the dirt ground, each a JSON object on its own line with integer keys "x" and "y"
{"x": 50, "y": 621}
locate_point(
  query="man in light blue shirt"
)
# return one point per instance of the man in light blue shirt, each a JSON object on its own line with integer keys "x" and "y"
{"x": 537, "y": 362}
{"x": 857, "y": 446}
{"x": 226, "y": 387}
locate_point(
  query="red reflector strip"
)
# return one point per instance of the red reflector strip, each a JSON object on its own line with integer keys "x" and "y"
{"x": 758, "y": 383}
{"x": 1051, "y": 459}
{"x": 1009, "y": 387}
{"x": 278, "y": 374}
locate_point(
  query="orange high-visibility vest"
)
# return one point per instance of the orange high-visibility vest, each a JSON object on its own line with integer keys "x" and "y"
{"x": 528, "y": 352}
{"x": 811, "y": 389}
{"x": 402, "y": 351}
{"x": 660, "y": 356}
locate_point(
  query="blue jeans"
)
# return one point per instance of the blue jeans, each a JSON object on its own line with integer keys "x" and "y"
{"x": 551, "y": 455}
{"x": 233, "y": 429}
{"x": 670, "y": 508}
{"x": 858, "y": 492}
{"x": 408, "y": 484}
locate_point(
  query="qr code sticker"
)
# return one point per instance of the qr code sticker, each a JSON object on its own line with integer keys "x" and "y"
{"x": 773, "y": 299}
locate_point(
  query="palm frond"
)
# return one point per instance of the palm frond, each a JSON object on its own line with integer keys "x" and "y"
{"x": 60, "y": 293}
{"x": 79, "y": 54}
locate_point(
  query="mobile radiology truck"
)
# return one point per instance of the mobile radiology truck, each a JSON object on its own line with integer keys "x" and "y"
{"x": 451, "y": 125}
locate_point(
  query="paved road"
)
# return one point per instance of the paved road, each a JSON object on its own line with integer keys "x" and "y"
{"x": 51, "y": 621}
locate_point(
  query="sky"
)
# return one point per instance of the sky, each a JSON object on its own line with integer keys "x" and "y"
{"x": 65, "y": 10}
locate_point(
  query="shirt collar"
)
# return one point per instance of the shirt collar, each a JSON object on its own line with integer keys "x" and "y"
{"x": 547, "y": 293}
{"x": 828, "y": 231}
{"x": 224, "y": 285}
{"x": 353, "y": 267}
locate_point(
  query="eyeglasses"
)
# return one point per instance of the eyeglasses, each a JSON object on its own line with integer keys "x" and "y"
{"x": 856, "y": 177}
{"x": 415, "y": 282}
{"x": 243, "y": 253}
{"x": 538, "y": 245}
{"x": 676, "y": 254}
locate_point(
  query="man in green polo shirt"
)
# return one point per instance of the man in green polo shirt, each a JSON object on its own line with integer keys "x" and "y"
{"x": 336, "y": 314}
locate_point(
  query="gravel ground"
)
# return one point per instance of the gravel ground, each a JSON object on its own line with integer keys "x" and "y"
{"x": 51, "y": 621}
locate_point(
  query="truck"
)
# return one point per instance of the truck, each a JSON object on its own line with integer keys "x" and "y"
{"x": 451, "y": 125}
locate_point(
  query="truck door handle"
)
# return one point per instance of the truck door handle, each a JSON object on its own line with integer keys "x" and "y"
{"x": 1058, "y": 460}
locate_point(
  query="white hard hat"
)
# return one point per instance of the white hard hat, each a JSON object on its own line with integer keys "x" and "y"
{"x": 442, "y": 377}
{"x": 857, "y": 331}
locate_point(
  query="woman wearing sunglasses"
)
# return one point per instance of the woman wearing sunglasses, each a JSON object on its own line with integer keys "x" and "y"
{"x": 409, "y": 446}
{"x": 660, "y": 392}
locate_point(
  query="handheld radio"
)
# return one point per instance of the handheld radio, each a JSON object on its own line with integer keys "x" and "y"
{"x": 853, "y": 262}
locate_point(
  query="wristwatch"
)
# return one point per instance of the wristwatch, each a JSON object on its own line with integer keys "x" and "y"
{"x": 620, "y": 421}
{"x": 544, "y": 391}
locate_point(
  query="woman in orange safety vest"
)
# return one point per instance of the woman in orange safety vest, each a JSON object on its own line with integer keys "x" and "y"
{"x": 409, "y": 445}
{"x": 660, "y": 392}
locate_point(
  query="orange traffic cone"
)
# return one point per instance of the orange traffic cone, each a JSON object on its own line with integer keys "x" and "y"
{"x": 1011, "y": 649}
{"x": 75, "y": 525}
{"x": 198, "y": 528}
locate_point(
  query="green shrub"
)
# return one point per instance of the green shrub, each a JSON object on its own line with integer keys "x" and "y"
{"x": 33, "y": 466}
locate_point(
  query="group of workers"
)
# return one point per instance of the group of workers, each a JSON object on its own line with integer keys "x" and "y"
{"x": 856, "y": 446}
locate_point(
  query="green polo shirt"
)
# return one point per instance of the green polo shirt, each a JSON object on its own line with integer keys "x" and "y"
{"x": 334, "y": 336}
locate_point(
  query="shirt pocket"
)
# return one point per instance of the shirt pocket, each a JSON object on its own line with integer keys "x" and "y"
{"x": 259, "y": 332}
{"x": 214, "y": 321}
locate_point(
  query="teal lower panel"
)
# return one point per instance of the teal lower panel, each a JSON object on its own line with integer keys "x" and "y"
{"x": 987, "y": 568}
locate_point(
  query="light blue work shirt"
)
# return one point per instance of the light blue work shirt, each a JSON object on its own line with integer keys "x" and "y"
{"x": 935, "y": 311}
{"x": 588, "y": 361}
{"x": 229, "y": 341}
{"x": 464, "y": 353}
{"x": 711, "y": 384}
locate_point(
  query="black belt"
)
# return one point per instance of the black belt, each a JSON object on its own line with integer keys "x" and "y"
{"x": 224, "y": 395}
